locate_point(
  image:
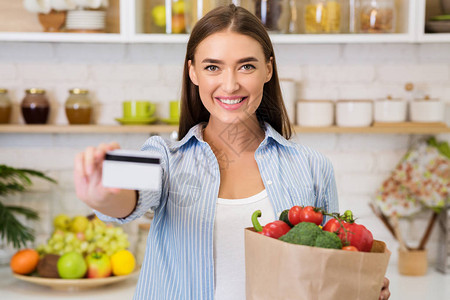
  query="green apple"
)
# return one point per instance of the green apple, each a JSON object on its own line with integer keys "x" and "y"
{"x": 79, "y": 224}
{"x": 61, "y": 221}
{"x": 159, "y": 15}
{"x": 178, "y": 7}
{"x": 71, "y": 266}
{"x": 98, "y": 265}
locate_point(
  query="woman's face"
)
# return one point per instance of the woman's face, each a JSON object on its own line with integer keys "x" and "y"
{"x": 230, "y": 70}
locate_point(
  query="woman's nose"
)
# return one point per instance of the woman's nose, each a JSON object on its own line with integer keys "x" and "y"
{"x": 230, "y": 82}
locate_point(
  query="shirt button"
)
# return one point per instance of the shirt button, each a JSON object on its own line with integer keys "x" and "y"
{"x": 269, "y": 181}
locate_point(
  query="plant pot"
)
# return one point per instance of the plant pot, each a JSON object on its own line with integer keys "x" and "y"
{"x": 412, "y": 262}
{"x": 53, "y": 21}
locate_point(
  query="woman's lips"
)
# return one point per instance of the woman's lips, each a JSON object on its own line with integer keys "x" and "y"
{"x": 231, "y": 103}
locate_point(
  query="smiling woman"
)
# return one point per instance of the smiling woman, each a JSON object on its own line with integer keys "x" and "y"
{"x": 234, "y": 156}
{"x": 240, "y": 52}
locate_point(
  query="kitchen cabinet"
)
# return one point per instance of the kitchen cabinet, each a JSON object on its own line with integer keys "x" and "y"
{"x": 126, "y": 24}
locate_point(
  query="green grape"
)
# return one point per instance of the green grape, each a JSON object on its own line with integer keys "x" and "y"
{"x": 68, "y": 248}
{"x": 84, "y": 246}
{"x": 110, "y": 231}
{"x": 89, "y": 234}
{"x": 48, "y": 249}
{"x": 58, "y": 246}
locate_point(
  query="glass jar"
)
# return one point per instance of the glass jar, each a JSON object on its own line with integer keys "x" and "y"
{"x": 377, "y": 16}
{"x": 274, "y": 14}
{"x": 178, "y": 8}
{"x": 156, "y": 16}
{"x": 35, "y": 106}
{"x": 5, "y": 107}
{"x": 78, "y": 107}
{"x": 196, "y": 9}
{"x": 323, "y": 16}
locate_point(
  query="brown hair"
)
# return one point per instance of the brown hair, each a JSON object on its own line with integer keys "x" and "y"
{"x": 239, "y": 20}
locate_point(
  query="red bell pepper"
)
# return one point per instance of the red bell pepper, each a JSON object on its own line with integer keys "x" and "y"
{"x": 350, "y": 233}
{"x": 274, "y": 229}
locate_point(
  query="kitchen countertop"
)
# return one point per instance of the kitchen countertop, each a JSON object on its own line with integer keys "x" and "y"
{"x": 434, "y": 285}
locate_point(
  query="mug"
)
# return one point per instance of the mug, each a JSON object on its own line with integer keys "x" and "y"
{"x": 138, "y": 109}
{"x": 174, "y": 109}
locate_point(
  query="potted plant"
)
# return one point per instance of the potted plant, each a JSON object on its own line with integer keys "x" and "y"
{"x": 13, "y": 232}
{"x": 419, "y": 183}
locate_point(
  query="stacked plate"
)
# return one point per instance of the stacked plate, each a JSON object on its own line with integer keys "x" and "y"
{"x": 85, "y": 20}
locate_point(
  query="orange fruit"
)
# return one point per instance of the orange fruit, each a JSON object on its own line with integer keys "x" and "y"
{"x": 24, "y": 261}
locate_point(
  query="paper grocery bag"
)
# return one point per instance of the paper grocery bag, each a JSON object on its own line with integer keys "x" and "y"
{"x": 276, "y": 270}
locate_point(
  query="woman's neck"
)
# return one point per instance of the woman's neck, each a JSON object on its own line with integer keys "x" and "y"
{"x": 234, "y": 139}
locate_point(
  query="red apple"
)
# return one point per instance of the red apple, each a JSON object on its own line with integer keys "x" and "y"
{"x": 99, "y": 265}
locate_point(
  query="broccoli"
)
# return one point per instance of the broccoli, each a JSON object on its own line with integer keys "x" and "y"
{"x": 309, "y": 234}
{"x": 328, "y": 239}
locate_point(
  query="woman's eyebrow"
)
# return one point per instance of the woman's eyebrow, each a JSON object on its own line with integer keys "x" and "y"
{"x": 218, "y": 61}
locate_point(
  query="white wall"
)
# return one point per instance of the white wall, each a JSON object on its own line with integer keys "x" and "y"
{"x": 115, "y": 72}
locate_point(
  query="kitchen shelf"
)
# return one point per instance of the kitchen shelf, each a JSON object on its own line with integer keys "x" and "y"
{"x": 161, "y": 128}
{"x": 287, "y": 38}
{"x": 11, "y": 128}
{"x": 62, "y": 37}
{"x": 127, "y": 18}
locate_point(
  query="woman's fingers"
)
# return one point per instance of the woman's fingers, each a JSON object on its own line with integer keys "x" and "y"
{"x": 385, "y": 292}
{"x": 79, "y": 165}
{"x": 89, "y": 160}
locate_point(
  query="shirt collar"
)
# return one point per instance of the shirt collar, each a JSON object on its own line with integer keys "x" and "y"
{"x": 197, "y": 132}
{"x": 274, "y": 135}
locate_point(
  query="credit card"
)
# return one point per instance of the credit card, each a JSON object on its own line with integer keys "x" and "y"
{"x": 131, "y": 169}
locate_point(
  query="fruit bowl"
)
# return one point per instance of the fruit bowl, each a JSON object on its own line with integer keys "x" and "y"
{"x": 74, "y": 284}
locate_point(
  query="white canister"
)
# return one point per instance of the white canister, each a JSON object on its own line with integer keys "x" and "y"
{"x": 354, "y": 113}
{"x": 426, "y": 110}
{"x": 315, "y": 113}
{"x": 288, "y": 90}
{"x": 390, "y": 110}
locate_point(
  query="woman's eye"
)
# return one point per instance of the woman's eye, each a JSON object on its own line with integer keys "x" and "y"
{"x": 248, "y": 67}
{"x": 211, "y": 68}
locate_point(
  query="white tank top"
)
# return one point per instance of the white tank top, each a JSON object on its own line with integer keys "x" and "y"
{"x": 232, "y": 216}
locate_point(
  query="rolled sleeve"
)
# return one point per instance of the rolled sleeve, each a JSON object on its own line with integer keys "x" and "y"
{"x": 147, "y": 199}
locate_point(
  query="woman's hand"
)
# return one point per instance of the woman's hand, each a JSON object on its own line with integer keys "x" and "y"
{"x": 385, "y": 293}
{"x": 88, "y": 176}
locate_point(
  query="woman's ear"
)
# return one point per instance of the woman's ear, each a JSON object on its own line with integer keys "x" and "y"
{"x": 192, "y": 73}
{"x": 269, "y": 67}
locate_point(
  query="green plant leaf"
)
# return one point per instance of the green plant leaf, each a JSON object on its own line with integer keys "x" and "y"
{"x": 12, "y": 230}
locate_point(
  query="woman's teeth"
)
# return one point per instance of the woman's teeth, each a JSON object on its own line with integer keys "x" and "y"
{"x": 231, "y": 101}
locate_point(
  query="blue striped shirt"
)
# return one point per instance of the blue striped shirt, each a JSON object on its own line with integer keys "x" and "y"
{"x": 179, "y": 262}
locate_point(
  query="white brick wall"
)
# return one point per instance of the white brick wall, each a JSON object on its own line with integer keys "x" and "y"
{"x": 117, "y": 72}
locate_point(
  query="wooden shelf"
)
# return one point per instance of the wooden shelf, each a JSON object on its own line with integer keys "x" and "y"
{"x": 161, "y": 128}
{"x": 375, "y": 130}
{"x": 11, "y": 128}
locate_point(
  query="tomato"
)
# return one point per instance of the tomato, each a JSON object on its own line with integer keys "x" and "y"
{"x": 310, "y": 214}
{"x": 333, "y": 225}
{"x": 359, "y": 236}
{"x": 350, "y": 248}
{"x": 351, "y": 234}
{"x": 294, "y": 215}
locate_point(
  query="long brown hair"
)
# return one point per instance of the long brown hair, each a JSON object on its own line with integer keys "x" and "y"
{"x": 239, "y": 20}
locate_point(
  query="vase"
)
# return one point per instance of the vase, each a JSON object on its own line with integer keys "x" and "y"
{"x": 412, "y": 262}
{"x": 53, "y": 21}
